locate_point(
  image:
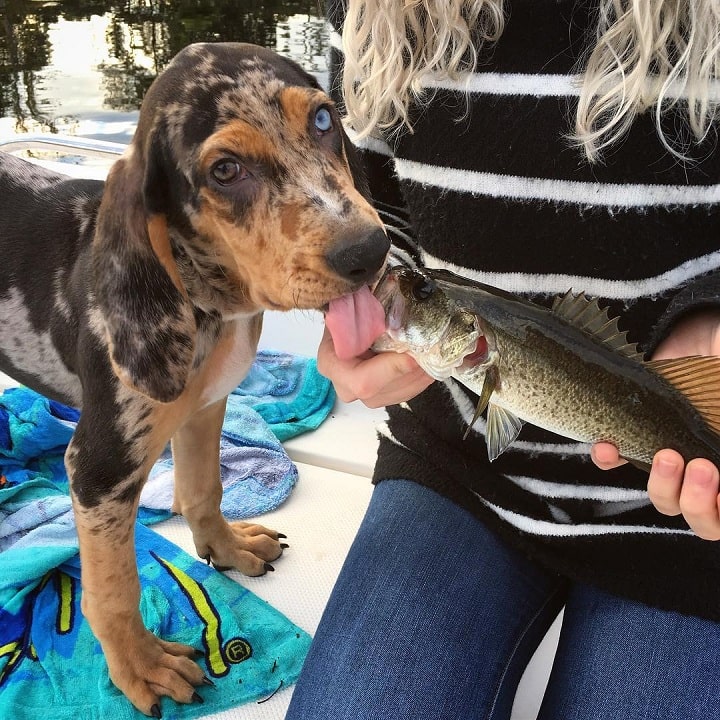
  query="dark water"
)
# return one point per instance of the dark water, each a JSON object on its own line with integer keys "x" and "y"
{"x": 82, "y": 67}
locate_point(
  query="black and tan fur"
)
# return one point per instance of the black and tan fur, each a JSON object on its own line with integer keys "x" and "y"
{"x": 141, "y": 301}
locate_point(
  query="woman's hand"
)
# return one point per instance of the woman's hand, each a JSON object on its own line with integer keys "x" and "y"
{"x": 673, "y": 487}
{"x": 377, "y": 380}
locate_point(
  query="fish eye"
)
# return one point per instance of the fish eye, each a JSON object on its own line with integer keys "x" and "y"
{"x": 323, "y": 120}
{"x": 228, "y": 171}
{"x": 422, "y": 288}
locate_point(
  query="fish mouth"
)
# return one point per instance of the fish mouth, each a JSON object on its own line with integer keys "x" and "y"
{"x": 386, "y": 286}
{"x": 479, "y": 355}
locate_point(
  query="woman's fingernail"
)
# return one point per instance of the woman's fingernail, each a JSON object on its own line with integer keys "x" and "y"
{"x": 700, "y": 475}
{"x": 665, "y": 468}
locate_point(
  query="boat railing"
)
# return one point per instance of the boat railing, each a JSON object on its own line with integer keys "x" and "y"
{"x": 63, "y": 144}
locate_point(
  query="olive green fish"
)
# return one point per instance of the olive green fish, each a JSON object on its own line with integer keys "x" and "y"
{"x": 568, "y": 369}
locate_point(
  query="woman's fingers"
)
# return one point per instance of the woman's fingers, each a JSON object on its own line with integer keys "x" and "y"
{"x": 692, "y": 490}
{"x": 606, "y": 456}
{"x": 376, "y": 380}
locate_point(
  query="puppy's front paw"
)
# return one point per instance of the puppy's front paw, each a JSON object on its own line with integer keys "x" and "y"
{"x": 145, "y": 668}
{"x": 246, "y": 547}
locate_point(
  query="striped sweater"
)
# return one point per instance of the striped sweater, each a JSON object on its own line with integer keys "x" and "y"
{"x": 498, "y": 194}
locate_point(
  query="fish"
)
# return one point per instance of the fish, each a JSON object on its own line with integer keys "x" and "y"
{"x": 568, "y": 369}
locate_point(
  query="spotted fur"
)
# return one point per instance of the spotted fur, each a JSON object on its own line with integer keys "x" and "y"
{"x": 140, "y": 300}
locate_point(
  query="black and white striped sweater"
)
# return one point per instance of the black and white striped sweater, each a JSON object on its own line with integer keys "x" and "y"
{"x": 499, "y": 195}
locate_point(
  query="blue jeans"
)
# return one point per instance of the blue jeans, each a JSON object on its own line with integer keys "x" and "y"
{"x": 433, "y": 618}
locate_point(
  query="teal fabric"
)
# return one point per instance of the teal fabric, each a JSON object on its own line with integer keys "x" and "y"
{"x": 49, "y": 660}
{"x": 287, "y": 391}
{"x": 282, "y": 396}
{"x": 51, "y": 664}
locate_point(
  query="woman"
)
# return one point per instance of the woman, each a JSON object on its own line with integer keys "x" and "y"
{"x": 536, "y": 145}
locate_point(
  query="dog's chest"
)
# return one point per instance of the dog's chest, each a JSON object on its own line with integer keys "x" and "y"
{"x": 230, "y": 359}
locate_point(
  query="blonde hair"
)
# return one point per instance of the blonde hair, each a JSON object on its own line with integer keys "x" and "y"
{"x": 659, "y": 54}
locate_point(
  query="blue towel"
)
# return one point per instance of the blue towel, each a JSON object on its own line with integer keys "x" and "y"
{"x": 282, "y": 396}
{"x": 287, "y": 391}
{"x": 50, "y": 663}
{"x": 256, "y": 472}
{"x": 49, "y": 660}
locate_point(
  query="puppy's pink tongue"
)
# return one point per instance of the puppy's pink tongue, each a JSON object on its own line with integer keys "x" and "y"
{"x": 354, "y": 321}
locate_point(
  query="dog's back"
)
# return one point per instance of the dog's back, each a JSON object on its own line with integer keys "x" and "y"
{"x": 46, "y": 226}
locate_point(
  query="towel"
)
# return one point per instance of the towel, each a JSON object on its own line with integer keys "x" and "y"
{"x": 49, "y": 659}
{"x": 287, "y": 391}
{"x": 256, "y": 473}
{"x": 50, "y": 663}
{"x": 282, "y": 396}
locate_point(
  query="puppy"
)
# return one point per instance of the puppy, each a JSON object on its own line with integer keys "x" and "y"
{"x": 140, "y": 300}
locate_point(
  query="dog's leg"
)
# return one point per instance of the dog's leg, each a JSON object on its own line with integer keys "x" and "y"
{"x": 245, "y": 546}
{"x": 106, "y": 483}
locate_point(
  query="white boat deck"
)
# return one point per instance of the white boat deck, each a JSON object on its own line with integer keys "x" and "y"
{"x": 324, "y": 509}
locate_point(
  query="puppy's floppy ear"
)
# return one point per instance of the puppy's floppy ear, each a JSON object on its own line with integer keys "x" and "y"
{"x": 148, "y": 319}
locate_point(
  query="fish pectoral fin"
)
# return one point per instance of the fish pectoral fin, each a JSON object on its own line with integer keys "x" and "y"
{"x": 698, "y": 378}
{"x": 490, "y": 383}
{"x": 502, "y": 428}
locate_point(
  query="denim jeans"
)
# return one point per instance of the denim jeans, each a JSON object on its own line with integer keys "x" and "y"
{"x": 434, "y": 618}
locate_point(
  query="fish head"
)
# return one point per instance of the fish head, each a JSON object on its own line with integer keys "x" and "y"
{"x": 420, "y": 319}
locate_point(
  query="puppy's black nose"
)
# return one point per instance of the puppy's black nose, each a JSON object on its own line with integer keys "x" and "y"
{"x": 359, "y": 257}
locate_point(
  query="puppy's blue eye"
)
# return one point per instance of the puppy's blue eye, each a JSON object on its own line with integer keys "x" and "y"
{"x": 323, "y": 120}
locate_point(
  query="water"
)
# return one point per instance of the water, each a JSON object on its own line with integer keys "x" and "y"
{"x": 81, "y": 67}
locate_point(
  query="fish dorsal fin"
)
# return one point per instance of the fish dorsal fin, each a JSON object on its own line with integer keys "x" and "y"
{"x": 698, "y": 378}
{"x": 501, "y": 429}
{"x": 587, "y": 315}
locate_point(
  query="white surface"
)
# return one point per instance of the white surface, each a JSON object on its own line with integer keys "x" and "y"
{"x": 320, "y": 519}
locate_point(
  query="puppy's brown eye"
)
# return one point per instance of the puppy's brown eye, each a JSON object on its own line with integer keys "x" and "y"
{"x": 227, "y": 171}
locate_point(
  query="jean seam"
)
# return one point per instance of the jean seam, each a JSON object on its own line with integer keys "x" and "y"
{"x": 515, "y": 649}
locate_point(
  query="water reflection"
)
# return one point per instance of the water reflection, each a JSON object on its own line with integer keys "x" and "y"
{"x": 82, "y": 66}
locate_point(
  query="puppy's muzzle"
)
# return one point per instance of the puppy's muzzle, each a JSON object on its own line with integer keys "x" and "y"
{"x": 359, "y": 258}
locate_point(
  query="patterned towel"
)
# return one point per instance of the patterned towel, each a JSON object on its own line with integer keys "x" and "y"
{"x": 49, "y": 660}
{"x": 283, "y": 396}
{"x": 50, "y": 663}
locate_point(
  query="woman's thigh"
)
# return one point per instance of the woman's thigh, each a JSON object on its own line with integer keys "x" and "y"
{"x": 620, "y": 659}
{"x": 431, "y": 617}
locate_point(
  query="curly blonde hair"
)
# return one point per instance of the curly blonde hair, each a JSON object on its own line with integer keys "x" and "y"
{"x": 662, "y": 55}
